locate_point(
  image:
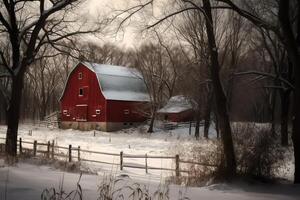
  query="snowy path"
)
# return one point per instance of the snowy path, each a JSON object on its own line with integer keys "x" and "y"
{"x": 27, "y": 182}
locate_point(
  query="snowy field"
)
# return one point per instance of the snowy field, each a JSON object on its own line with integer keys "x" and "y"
{"x": 14, "y": 181}
{"x": 130, "y": 141}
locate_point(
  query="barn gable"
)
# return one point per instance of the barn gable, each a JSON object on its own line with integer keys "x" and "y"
{"x": 120, "y": 83}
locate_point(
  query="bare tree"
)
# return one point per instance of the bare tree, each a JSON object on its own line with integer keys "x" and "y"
{"x": 151, "y": 62}
{"x": 291, "y": 42}
{"x": 26, "y": 27}
{"x": 45, "y": 80}
{"x": 196, "y": 85}
{"x": 288, "y": 18}
{"x": 221, "y": 100}
{"x": 106, "y": 53}
{"x": 280, "y": 67}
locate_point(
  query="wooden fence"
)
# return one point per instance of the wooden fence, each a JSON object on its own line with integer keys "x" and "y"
{"x": 52, "y": 151}
{"x": 53, "y": 119}
{"x": 168, "y": 126}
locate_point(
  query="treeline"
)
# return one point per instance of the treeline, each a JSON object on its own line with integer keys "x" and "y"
{"x": 169, "y": 68}
{"x": 173, "y": 68}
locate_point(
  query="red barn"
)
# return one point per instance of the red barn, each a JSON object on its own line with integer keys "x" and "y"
{"x": 177, "y": 109}
{"x": 103, "y": 97}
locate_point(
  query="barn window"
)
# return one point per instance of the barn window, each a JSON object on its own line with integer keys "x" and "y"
{"x": 80, "y": 75}
{"x": 65, "y": 112}
{"x": 80, "y": 91}
{"x": 126, "y": 112}
{"x": 98, "y": 112}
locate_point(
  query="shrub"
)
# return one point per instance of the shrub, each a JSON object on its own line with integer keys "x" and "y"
{"x": 208, "y": 154}
{"x": 258, "y": 152}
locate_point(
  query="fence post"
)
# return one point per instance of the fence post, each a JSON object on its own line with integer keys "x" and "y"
{"x": 48, "y": 149}
{"x": 34, "y": 147}
{"x": 94, "y": 133}
{"x": 121, "y": 160}
{"x": 177, "y": 165}
{"x": 190, "y": 128}
{"x": 52, "y": 152}
{"x": 78, "y": 153}
{"x": 70, "y": 153}
{"x": 20, "y": 146}
{"x": 146, "y": 164}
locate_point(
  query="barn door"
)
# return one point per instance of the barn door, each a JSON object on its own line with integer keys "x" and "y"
{"x": 81, "y": 112}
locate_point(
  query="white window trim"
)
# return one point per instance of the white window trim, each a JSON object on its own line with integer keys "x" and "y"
{"x": 82, "y": 92}
{"x": 126, "y": 111}
{"x": 80, "y": 75}
{"x": 98, "y": 111}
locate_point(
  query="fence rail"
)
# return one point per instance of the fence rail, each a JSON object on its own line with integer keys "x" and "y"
{"x": 52, "y": 151}
{"x": 174, "y": 125}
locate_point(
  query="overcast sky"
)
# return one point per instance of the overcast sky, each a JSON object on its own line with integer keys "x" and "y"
{"x": 132, "y": 35}
{"x": 93, "y": 8}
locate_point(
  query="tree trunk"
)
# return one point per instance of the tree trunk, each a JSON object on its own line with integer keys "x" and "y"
{"x": 273, "y": 112}
{"x": 221, "y": 101}
{"x": 217, "y": 125}
{"x": 3, "y": 112}
{"x": 151, "y": 125}
{"x": 197, "y": 125}
{"x": 285, "y": 106}
{"x": 296, "y": 130}
{"x": 207, "y": 123}
{"x": 14, "y": 115}
{"x": 207, "y": 114}
{"x": 293, "y": 54}
{"x": 43, "y": 111}
{"x": 43, "y": 96}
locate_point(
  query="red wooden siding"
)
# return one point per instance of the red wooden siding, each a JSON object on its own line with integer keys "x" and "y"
{"x": 76, "y": 107}
{"x": 183, "y": 116}
{"x": 124, "y": 111}
{"x": 85, "y": 106}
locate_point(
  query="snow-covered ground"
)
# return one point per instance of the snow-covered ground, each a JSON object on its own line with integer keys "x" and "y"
{"x": 130, "y": 141}
{"x": 26, "y": 182}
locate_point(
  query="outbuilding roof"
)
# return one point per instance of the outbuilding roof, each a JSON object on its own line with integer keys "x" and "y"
{"x": 177, "y": 104}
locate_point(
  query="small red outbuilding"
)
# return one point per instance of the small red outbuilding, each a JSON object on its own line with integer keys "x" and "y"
{"x": 103, "y": 97}
{"x": 178, "y": 109}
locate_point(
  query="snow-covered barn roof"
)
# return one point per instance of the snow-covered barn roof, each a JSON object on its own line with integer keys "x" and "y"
{"x": 119, "y": 83}
{"x": 176, "y": 104}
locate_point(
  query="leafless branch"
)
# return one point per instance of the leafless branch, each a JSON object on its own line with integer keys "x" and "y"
{"x": 264, "y": 74}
